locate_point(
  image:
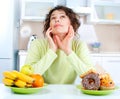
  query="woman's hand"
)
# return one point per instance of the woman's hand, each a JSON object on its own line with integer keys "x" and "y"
{"x": 51, "y": 40}
{"x": 66, "y": 43}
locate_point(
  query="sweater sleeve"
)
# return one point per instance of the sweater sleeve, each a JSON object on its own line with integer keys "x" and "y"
{"x": 80, "y": 59}
{"x": 39, "y": 57}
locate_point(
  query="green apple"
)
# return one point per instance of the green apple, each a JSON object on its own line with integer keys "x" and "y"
{"x": 27, "y": 69}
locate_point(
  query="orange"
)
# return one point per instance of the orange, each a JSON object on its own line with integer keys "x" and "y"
{"x": 39, "y": 81}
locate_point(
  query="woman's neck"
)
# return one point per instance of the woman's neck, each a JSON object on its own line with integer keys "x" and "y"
{"x": 61, "y": 36}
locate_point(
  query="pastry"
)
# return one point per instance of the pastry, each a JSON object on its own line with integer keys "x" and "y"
{"x": 91, "y": 81}
{"x": 106, "y": 82}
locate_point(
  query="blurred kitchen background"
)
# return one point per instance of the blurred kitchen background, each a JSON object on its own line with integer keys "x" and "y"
{"x": 22, "y": 21}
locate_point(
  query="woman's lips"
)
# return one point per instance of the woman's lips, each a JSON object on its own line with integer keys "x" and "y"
{"x": 57, "y": 25}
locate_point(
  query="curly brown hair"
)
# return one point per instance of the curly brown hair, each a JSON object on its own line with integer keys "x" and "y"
{"x": 74, "y": 17}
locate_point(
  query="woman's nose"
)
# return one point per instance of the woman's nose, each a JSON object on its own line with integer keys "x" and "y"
{"x": 57, "y": 20}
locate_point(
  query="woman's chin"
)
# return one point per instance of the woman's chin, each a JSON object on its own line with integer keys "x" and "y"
{"x": 60, "y": 34}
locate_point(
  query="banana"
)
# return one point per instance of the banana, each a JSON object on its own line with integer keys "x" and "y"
{"x": 23, "y": 77}
{"x": 29, "y": 85}
{"x": 8, "y": 82}
{"x": 10, "y": 75}
{"x": 20, "y": 83}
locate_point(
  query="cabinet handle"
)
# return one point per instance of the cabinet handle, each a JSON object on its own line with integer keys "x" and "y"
{"x": 114, "y": 61}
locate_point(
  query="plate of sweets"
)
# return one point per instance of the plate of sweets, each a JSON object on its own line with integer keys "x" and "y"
{"x": 95, "y": 84}
{"x": 96, "y": 92}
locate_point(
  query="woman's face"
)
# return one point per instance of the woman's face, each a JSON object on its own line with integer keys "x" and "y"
{"x": 59, "y": 22}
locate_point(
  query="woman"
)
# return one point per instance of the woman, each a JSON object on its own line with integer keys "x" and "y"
{"x": 59, "y": 57}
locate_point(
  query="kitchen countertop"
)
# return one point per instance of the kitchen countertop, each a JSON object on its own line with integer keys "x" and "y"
{"x": 54, "y": 91}
{"x": 24, "y": 52}
{"x": 102, "y": 54}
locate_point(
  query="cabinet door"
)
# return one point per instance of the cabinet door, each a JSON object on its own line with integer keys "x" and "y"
{"x": 5, "y": 65}
{"x": 112, "y": 65}
{"x": 96, "y": 60}
{"x": 36, "y": 9}
{"x": 104, "y": 11}
{"x": 6, "y": 29}
{"x": 21, "y": 60}
{"x": 98, "y": 64}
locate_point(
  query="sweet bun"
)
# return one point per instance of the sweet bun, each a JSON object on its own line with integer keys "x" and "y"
{"x": 106, "y": 82}
{"x": 107, "y": 88}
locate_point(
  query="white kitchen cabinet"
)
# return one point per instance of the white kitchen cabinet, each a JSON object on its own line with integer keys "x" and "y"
{"x": 9, "y": 20}
{"x": 79, "y": 6}
{"x": 5, "y": 65}
{"x": 112, "y": 65}
{"x": 104, "y": 12}
{"x": 110, "y": 62}
{"x": 22, "y": 56}
{"x": 97, "y": 60}
{"x": 36, "y": 10}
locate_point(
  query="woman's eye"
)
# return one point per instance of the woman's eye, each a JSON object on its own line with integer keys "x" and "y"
{"x": 52, "y": 18}
{"x": 63, "y": 16}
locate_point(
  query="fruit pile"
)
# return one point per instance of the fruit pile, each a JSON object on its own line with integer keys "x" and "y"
{"x": 21, "y": 80}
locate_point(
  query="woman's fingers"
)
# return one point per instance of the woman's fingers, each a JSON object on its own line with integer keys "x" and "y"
{"x": 51, "y": 40}
{"x": 71, "y": 31}
{"x": 48, "y": 32}
{"x": 55, "y": 42}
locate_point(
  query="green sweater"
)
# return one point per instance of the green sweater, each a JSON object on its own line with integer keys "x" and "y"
{"x": 58, "y": 68}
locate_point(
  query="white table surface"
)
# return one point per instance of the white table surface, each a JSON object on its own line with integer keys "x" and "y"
{"x": 55, "y": 92}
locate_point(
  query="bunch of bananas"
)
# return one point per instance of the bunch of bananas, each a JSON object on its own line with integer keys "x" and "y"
{"x": 16, "y": 78}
